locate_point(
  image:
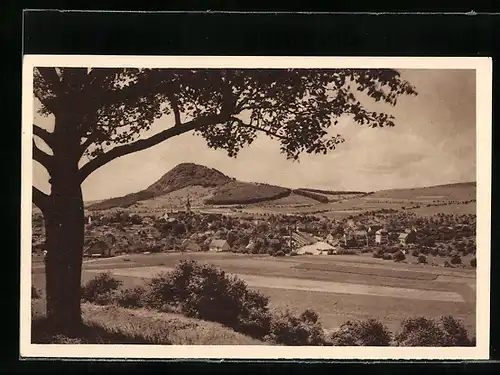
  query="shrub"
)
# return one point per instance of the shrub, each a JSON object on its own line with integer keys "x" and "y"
{"x": 442, "y": 252}
{"x": 362, "y": 333}
{"x": 345, "y": 252}
{"x": 422, "y": 259}
{"x": 447, "y": 264}
{"x": 35, "y": 294}
{"x": 279, "y": 253}
{"x": 101, "y": 289}
{"x": 455, "y": 332}
{"x": 424, "y": 250}
{"x": 293, "y": 253}
{"x": 378, "y": 253}
{"x": 473, "y": 262}
{"x": 392, "y": 250}
{"x": 387, "y": 256}
{"x": 434, "y": 252}
{"x": 456, "y": 259}
{"x": 420, "y": 331}
{"x": 288, "y": 329}
{"x": 399, "y": 256}
{"x": 206, "y": 292}
{"x": 415, "y": 253}
{"x": 131, "y": 298}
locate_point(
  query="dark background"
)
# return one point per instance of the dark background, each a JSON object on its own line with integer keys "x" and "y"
{"x": 211, "y": 33}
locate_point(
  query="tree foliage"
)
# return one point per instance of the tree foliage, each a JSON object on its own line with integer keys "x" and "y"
{"x": 108, "y": 109}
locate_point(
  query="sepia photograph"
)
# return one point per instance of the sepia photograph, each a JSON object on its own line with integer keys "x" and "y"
{"x": 255, "y": 207}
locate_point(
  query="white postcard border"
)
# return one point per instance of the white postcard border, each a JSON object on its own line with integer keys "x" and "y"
{"x": 483, "y": 67}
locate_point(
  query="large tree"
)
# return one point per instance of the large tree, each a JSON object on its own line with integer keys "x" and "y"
{"x": 102, "y": 114}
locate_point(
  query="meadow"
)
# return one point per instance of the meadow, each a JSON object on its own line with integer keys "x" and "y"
{"x": 338, "y": 288}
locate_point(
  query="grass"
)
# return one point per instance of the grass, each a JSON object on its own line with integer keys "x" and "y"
{"x": 382, "y": 272}
{"x": 116, "y": 325}
{"x": 333, "y": 308}
{"x": 336, "y": 309}
{"x": 309, "y": 194}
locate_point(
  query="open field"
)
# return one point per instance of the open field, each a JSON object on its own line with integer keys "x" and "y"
{"x": 337, "y": 287}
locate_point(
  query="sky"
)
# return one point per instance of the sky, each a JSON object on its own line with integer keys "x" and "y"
{"x": 433, "y": 142}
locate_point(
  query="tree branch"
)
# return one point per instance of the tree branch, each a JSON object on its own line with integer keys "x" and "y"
{"x": 86, "y": 144}
{"x": 51, "y": 77}
{"x": 175, "y": 109}
{"x": 40, "y": 199}
{"x": 143, "y": 144}
{"x": 268, "y": 132}
{"x": 41, "y": 157}
{"x": 43, "y": 134}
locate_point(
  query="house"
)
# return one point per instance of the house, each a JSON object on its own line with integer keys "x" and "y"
{"x": 219, "y": 245}
{"x": 355, "y": 237}
{"x": 99, "y": 249}
{"x": 250, "y": 246}
{"x": 372, "y": 229}
{"x": 407, "y": 238}
{"x": 190, "y": 245}
{"x": 303, "y": 239}
{"x": 381, "y": 236}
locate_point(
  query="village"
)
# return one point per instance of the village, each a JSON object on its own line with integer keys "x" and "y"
{"x": 386, "y": 234}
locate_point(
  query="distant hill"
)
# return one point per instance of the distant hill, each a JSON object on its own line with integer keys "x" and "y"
{"x": 181, "y": 176}
{"x": 222, "y": 190}
{"x": 188, "y": 174}
{"x": 458, "y": 191}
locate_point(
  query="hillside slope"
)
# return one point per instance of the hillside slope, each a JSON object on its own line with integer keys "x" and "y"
{"x": 179, "y": 177}
{"x": 208, "y": 185}
{"x": 459, "y": 191}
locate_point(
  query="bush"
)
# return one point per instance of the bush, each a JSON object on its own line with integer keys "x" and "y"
{"x": 131, "y": 298}
{"x": 447, "y": 264}
{"x": 415, "y": 253}
{"x": 456, "y": 259}
{"x": 455, "y": 332}
{"x": 473, "y": 262}
{"x": 101, "y": 289}
{"x": 362, "y": 333}
{"x": 288, "y": 329}
{"x": 420, "y": 331}
{"x": 206, "y": 292}
{"x": 399, "y": 256}
{"x": 434, "y": 252}
{"x": 35, "y": 294}
{"x": 378, "y": 253}
{"x": 442, "y": 252}
{"x": 392, "y": 250}
{"x": 279, "y": 253}
{"x": 345, "y": 252}
{"x": 422, "y": 259}
{"x": 424, "y": 250}
{"x": 387, "y": 256}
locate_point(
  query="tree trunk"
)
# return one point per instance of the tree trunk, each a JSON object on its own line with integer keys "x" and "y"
{"x": 64, "y": 230}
